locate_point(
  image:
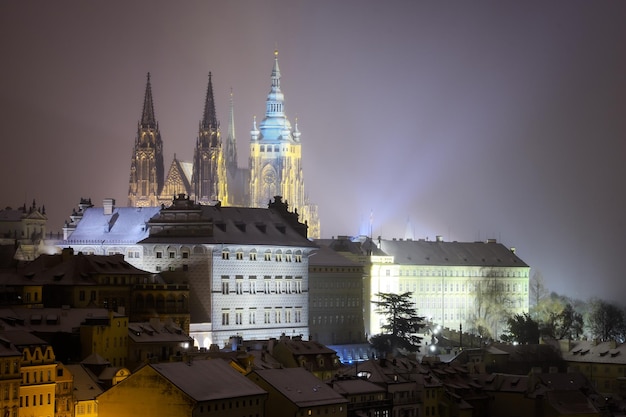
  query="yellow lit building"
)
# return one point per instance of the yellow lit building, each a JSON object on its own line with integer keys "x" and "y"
{"x": 107, "y": 337}
{"x": 184, "y": 389}
{"x": 10, "y": 379}
{"x": 64, "y": 393}
{"x": 38, "y": 374}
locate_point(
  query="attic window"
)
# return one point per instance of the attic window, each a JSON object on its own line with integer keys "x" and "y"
{"x": 241, "y": 226}
{"x": 221, "y": 226}
{"x": 35, "y": 319}
{"x": 614, "y": 353}
{"x": 281, "y": 228}
{"x": 58, "y": 277}
{"x": 262, "y": 227}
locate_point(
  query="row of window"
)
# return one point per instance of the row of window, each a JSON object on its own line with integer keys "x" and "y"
{"x": 231, "y": 405}
{"x": 336, "y": 319}
{"x": 270, "y": 316}
{"x": 37, "y": 377}
{"x": 267, "y": 256}
{"x": 278, "y": 285}
{"x": 457, "y": 273}
{"x": 461, "y": 302}
{"x": 336, "y": 302}
{"x": 426, "y": 286}
{"x": 24, "y": 400}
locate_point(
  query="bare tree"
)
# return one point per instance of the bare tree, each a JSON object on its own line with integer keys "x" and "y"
{"x": 491, "y": 305}
{"x": 605, "y": 321}
{"x": 538, "y": 289}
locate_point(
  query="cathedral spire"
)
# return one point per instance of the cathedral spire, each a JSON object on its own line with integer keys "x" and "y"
{"x": 275, "y": 99}
{"x": 209, "y": 119}
{"x": 147, "y": 116}
{"x": 231, "y": 142}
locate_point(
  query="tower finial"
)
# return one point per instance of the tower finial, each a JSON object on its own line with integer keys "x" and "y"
{"x": 147, "y": 115}
{"x": 209, "y": 119}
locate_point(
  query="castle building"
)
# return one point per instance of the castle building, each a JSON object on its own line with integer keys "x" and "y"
{"x": 468, "y": 285}
{"x": 275, "y": 166}
{"x": 246, "y": 268}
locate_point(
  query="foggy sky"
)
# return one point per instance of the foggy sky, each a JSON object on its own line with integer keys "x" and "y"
{"x": 469, "y": 120}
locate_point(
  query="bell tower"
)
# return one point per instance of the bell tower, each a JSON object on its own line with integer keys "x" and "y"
{"x": 146, "y": 168}
{"x": 209, "y": 170}
{"x": 276, "y": 158}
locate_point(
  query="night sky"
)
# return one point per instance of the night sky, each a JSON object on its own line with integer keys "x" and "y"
{"x": 469, "y": 120}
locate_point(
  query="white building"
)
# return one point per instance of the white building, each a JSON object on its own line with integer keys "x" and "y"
{"x": 473, "y": 285}
{"x": 247, "y": 268}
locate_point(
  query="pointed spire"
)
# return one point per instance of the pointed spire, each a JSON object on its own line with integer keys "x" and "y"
{"x": 231, "y": 142}
{"x": 275, "y": 98}
{"x": 209, "y": 118}
{"x": 147, "y": 116}
{"x": 276, "y": 70}
{"x": 231, "y": 119}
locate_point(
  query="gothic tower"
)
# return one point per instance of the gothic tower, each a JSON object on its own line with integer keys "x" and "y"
{"x": 146, "y": 169}
{"x": 275, "y": 158}
{"x": 209, "y": 171}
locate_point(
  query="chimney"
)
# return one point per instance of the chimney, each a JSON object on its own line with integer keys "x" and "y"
{"x": 108, "y": 204}
{"x": 67, "y": 253}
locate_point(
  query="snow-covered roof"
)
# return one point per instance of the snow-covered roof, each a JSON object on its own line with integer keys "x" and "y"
{"x": 125, "y": 225}
{"x": 206, "y": 380}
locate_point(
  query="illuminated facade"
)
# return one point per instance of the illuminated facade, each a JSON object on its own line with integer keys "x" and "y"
{"x": 184, "y": 389}
{"x": 276, "y": 158}
{"x": 146, "y": 168}
{"x": 107, "y": 337}
{"x": 473, "y": 285}
{"x": 38, "y": 374}
{"x": 275, "y": 164}
{"x": 246, "y": 268}
{"x": 64, "y": 392}
{"x": 10, "y": 378}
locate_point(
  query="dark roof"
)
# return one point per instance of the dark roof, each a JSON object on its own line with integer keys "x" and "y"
{"x": 300, "y": 387}
{"x": 73, "y": 269}
{"x": 205, "y": 380}
{"x": 22, "y": 338}
{"x": 232, "y": 225}
{"x": 157, "y": 332}
{"x": 85, "y": 386}
{"x": 325, "y": 256}
{"x": 440, "y": 253}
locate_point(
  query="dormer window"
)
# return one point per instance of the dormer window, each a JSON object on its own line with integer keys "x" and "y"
{"x": 225, "y": 254}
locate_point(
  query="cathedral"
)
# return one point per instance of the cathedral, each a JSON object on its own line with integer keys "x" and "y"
{"x": 274, "y": 169}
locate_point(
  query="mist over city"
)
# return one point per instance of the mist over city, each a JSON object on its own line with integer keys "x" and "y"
{"x": 469, "y": 121}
